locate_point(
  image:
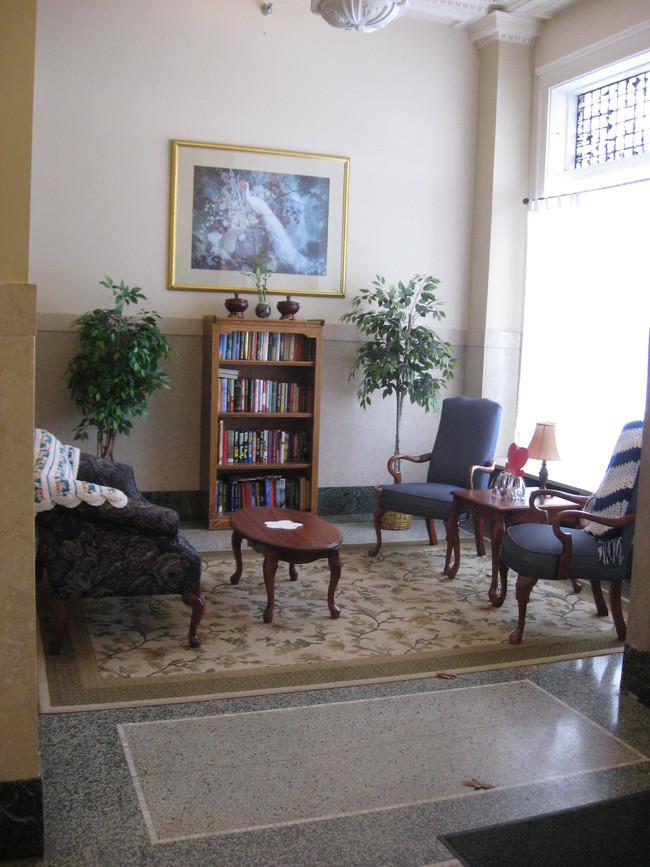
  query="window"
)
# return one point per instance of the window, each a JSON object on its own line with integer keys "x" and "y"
{"x": 598, "y": 123}
{"x": 586, "y": 319}
{"x": 587, "y": 304}
{"x": 613, "y": 121}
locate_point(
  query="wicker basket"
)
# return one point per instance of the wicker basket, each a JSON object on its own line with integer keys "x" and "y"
{"x": 395, "y": 521}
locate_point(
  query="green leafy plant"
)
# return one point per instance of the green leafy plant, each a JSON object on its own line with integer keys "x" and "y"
{"x": 404, "y": 357}
{"x": 116, "y": 368}
{"x": 261, "y": 271}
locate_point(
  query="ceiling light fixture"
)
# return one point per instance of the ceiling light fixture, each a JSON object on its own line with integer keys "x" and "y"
{"x": 362, "y": 15}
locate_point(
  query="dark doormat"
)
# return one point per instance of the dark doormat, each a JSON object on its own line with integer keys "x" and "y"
{"x": 613, "y": 832}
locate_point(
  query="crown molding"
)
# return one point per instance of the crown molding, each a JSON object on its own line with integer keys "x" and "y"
{"x": 537, "y": 8}
{"x": 460, "y": 13}
{"x": 451, "y": 12}
{"x": 504, "y": 27}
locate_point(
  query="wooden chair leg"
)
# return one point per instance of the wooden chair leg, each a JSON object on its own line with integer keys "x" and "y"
{"x": 379, "y": 513}
{"x": 431, "y": 531}
{"x": 599, "y": 599}
{"x": 523, "y": 587}
{"x": 59, "y": 619}
{"x": 479, "y": 527}
{"x": 194, "y": 597}
{"x": 615, "y": 604}
{"x": 577, "y": 586}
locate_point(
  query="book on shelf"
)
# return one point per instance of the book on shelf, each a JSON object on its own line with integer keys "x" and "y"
{"x": 239, "y": 492}
{"x": 220, "y": 442}
{"x": 264, "y": 395}
{"x": 265, "y": 346}
{"x": 261, "y": 446}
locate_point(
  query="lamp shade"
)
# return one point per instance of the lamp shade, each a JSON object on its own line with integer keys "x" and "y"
{"x": 543, "y": 446}
{"x": 362, "y": 15}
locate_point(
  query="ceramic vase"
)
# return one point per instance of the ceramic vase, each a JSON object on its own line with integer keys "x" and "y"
{"x": 288, "y": 308}
{"x": 235, "y": 306}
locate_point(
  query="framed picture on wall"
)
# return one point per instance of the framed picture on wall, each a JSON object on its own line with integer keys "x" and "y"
{"x": 230, "y": 203}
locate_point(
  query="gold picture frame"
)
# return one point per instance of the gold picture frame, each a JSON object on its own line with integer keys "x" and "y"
{"x": 230, "y": 202}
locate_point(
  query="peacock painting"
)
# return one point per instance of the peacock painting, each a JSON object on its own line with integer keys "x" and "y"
{"x": 237, "y": 214}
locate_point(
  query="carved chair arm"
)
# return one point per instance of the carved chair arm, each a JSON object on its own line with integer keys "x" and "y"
{"x": 579, "y": 499}
{"x": 575, "y": 515}
{"x": 415, "y": 459}
{"x": 477, "y": 469}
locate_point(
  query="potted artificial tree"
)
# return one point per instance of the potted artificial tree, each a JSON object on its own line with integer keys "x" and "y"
{"x": 116, "y": 368}
{"x": 403, "y": 357}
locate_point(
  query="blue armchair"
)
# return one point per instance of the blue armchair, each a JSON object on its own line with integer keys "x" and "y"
{"x": 596, "y": 547}
{"x": 462, "y": 457}
{"x": 100, "y": 550}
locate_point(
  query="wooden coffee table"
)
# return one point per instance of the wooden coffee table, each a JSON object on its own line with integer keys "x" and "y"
{"x": 315, "y": 539}
{"x": 499, "y": 513}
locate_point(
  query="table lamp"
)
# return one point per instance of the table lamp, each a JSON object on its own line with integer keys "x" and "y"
{"x": 543, "y": 448}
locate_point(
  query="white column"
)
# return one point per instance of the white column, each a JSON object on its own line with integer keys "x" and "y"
{"x": 505, "y": 45}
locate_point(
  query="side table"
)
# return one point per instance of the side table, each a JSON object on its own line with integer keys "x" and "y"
{"x": 499, "y": 513}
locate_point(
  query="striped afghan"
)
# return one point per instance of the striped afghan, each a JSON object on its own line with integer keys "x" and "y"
{"x": 612, "y": 499}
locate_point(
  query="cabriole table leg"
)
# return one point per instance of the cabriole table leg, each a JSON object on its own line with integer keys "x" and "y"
{"x": 335, "y": 573}
{"x": 270, "y": 568}
{"x": 236, "y": 549}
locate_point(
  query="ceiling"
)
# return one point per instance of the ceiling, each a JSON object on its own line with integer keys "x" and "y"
{"x": 462, "y": 12}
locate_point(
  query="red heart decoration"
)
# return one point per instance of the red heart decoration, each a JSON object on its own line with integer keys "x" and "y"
{"x": 517, "y": 457}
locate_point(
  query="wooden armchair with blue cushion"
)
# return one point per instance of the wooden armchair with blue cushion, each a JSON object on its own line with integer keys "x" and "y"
{"x": 462, "y": 457}
{"x": 98, "y": 536}
{"x": 598, "y": 547}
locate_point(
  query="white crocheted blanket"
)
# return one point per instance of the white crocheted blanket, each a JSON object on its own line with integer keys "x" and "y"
{"x": 55, "y": 477}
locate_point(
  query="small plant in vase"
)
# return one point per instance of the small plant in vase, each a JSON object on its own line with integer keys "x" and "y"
{"x": 261, "y": 271}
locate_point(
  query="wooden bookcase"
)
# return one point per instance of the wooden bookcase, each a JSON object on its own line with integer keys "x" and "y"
{"x": 259, "y": 415}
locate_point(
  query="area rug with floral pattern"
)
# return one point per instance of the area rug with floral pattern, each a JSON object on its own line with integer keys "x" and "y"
{"x": 400, "y": 618}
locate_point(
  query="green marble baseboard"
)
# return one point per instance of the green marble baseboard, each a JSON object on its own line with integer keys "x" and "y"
{"x": 332, "y": 502}
{"x": 21, "y": 819}
{"x": 188, "y": 504}
{"x": 635, "y": 680}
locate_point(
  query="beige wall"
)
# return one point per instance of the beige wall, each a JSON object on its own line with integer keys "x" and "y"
{"x": 403, "y": 103}
{"x": 173, "y": 420}
{"x": 18, "y": 736}
{"x": 129, "y": 77}
{"x": 115, "y": 88}
{"x": 581, "y": 27}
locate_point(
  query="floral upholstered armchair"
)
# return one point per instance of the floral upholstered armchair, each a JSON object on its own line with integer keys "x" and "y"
{"x": 98, "y": 536}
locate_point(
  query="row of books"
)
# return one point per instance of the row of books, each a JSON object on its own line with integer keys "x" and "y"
{"x": 238, "y": 493}
{"x": 265, "y": 346}
{"x": 261, "y": 446}
{"x": 263, "y": 395}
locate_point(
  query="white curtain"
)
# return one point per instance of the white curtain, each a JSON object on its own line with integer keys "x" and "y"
{"x": 586, "y": 324}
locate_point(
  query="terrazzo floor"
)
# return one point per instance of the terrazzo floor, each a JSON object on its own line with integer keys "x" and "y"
{"x": 366, "y": 775}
